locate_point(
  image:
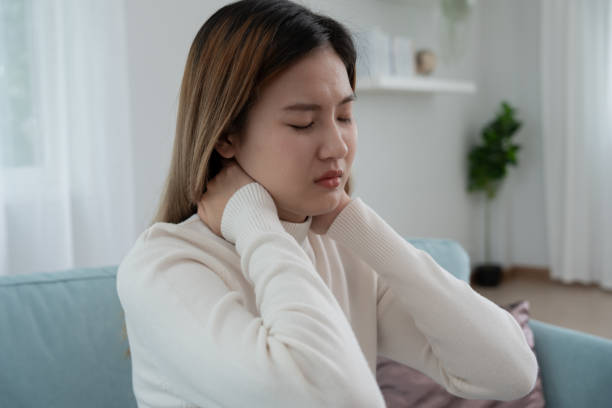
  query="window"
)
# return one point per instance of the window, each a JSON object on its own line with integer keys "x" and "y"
{"x": 18, "y": 124}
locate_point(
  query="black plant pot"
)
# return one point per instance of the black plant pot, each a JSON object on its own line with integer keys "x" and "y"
{"x": 487, "y": 275}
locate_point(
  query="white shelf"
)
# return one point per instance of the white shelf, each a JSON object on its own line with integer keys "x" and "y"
{"x": 414, "y": 84}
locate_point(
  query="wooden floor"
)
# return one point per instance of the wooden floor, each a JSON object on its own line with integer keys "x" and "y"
{"x": 586, "y": 308}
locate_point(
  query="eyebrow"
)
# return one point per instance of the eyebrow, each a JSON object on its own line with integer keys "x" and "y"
{"x": 314, "y": 106}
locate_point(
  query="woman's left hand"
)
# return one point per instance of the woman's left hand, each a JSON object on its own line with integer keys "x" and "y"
{"x": 321, "y": 223}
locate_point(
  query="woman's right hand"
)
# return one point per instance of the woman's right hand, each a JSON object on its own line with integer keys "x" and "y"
{"x": 218, "y": 192}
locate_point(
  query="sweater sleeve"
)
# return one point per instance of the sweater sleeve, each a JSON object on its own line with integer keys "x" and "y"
{"x": 301, "y": 350}
{"x": 432, "y": 321}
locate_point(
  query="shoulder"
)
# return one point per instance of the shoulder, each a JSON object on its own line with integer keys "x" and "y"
{"x": 188, "y": 236}
{"x": 167, "y": 248}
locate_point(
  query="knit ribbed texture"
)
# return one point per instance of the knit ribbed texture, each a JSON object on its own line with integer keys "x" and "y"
{"x": 297, "y": 308}
{"x": 298, "y": 230}
{"x": 431, "y": 295}
{"x": 250, "y": 209}
{"x": 358, "y": 227}
{"x": 264, "y": 324}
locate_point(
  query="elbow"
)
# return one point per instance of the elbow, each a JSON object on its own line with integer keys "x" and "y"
{"x": 353, "y": 396}
{"x": 342, "y": 385}
{"x": 351, "y": 389}
{"x": 523, "y": 367}
{"x": 348, "y": 396}
{"x": 516, "y": 380}
{"x": 520, "y": 381}
{"x": 526, "y": 376}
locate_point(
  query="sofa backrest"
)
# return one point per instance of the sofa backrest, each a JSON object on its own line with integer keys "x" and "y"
{"x": 447, "y": 253}
{"x": 62, "y": 343}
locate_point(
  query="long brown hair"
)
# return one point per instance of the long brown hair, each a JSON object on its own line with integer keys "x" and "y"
{"x": 235, "y": 53}
{"x": 239, "y": 49}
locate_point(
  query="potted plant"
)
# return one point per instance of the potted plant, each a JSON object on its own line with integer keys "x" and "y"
{"x": 487, "y": 170}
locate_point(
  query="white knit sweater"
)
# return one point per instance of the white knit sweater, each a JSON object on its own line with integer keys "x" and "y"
{"x": 275, "y": 315}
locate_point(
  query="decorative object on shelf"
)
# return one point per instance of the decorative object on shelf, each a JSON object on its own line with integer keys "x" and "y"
{"x": 388, "y": 63}
{"x": 425, "y": 62}
{"x": 487, "y": 170}
{"x": 373, "y": 53}
{"x": 402, "y": 60}
{"x": 455, "y": 24}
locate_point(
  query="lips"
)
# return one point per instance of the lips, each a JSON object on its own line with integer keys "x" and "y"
{"x": 330, "y": 174}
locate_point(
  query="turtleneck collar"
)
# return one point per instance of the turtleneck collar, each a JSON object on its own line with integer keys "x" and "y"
{"x": 299, "y": 230}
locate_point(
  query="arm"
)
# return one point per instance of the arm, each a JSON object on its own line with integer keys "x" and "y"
{"x": 300, "y": 352}
{"x": 434, "y": 322}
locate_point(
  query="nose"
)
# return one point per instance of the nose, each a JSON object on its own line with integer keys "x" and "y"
{"x": 333, "y": 145}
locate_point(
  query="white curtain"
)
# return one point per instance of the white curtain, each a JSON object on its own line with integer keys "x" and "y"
{"x": 67, "y": 202}
{"x": 577, "y": 138}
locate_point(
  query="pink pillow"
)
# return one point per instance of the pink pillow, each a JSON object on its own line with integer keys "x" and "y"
{"x": 403, "y": 386}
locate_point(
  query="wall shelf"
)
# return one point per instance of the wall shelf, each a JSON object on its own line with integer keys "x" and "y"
{"x": 414, "y": 84}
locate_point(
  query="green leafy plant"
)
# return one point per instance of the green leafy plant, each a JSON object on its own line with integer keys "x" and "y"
{"x": 488, "y": 161}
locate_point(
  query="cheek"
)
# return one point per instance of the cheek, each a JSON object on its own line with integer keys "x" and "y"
{"x": 293, "y": 156}
{"x": 351, "y": 143}
{"x": 281, "y": 158}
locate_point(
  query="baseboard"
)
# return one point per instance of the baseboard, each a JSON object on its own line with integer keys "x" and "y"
{"x": 530, "y": 272}
{"x": 540, "y": 274}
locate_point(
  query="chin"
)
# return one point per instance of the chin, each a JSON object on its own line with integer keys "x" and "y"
{"x": 319, "y": 204}
{"x": 326, "y": 209}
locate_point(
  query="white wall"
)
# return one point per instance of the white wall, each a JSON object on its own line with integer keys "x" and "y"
{"x": 510, "y": 69}
{"x": 410, "y": 165}
{"x": 159, "y": 35}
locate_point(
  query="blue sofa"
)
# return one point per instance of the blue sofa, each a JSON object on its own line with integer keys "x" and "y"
{"x": 62, "y": 344}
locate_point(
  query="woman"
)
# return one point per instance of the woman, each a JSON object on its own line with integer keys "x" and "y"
{"x": 261, "y": 285}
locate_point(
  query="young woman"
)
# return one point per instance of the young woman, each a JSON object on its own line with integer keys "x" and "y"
{"x": 262, "y": 283}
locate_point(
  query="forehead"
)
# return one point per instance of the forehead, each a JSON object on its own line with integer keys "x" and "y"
{"x": 320, "y": 76}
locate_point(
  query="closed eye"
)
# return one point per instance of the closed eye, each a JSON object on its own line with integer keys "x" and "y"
{"x": 345, "y": 120}
{"x": 302, "y": 127}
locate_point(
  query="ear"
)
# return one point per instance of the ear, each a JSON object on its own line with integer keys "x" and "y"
{"x": 226, "y": 146}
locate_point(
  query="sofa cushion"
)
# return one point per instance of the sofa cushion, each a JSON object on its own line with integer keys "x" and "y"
{"x": 61, "y": 342}
{"x": 403, "y": 386}
{"x": 447, "y": 253}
